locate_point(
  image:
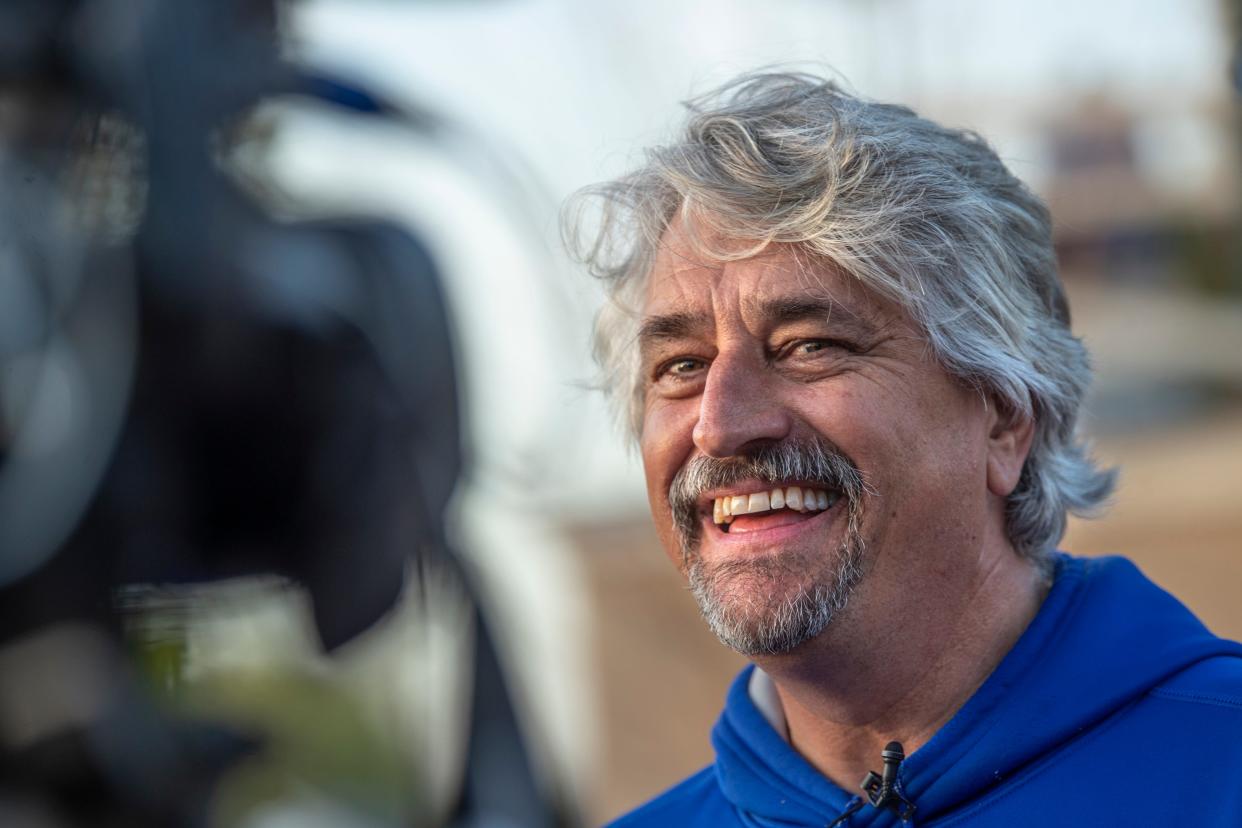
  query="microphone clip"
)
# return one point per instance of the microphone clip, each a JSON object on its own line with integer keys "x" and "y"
{"x": 882, "y": 789}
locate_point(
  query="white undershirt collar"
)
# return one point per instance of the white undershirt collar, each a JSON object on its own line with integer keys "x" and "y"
{"x": 762, "y": 692}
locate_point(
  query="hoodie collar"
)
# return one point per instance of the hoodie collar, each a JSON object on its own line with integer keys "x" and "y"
{"x": 1104, "y": 636}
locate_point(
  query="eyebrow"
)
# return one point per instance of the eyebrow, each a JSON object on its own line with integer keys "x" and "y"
{"x": 671, "y": 326}
{"x": 784, "y": 310}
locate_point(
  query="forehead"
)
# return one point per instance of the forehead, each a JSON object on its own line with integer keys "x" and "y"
{"x": 693, "y": 282}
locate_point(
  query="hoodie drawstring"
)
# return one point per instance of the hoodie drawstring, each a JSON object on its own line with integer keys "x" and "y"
{"x": 854, "y": 807}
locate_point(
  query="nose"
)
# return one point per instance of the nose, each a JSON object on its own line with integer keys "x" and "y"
{"x": 738, "y": 408}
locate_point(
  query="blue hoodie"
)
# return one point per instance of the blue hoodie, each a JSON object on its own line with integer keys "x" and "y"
{"x": 1115, "y": 707}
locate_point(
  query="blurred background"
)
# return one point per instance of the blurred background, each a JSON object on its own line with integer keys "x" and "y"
{"x": 1123, "y": 114}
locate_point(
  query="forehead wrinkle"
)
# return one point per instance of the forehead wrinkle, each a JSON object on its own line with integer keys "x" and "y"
{"x": 809, "y": 298}
{"x": 677, "y": 262}
{"x": 679, "y": 253}
{"x": 810, "y": 295}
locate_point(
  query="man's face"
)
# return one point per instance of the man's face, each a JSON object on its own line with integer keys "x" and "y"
{"x": 772, "y": 376}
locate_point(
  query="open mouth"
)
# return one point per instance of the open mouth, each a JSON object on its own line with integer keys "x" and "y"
{"x": 772, "y": 507}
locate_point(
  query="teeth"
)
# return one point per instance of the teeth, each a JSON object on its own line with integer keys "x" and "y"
{"x": 795, "y": 498}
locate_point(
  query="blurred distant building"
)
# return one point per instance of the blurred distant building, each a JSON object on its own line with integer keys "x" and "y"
{"x": 1108, "y": 217}
{"x": 1096, "y": 184}
{"x": 1140, "y": 196}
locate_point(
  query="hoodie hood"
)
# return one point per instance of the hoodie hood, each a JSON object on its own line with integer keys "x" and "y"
{"x": 1104, "y": 636}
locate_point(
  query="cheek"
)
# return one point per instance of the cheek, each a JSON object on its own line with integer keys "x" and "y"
{"x": 869, "y": 426}
{"x": 952, "y": 438}
{"x": 919, "y": 442}
{"x": 933, "y": 470}
{"x": 667, "y": 443}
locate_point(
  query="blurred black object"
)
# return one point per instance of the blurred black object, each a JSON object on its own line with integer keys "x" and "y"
{"x": 215, "y": 394}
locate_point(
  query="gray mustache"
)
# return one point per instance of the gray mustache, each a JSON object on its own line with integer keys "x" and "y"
{"x": 812, "y": 461}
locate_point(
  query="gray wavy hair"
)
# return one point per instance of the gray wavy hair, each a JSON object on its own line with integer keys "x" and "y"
{"x": 925, "y": 216}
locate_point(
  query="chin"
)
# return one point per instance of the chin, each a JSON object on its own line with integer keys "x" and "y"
{"x": 774, "y": 604}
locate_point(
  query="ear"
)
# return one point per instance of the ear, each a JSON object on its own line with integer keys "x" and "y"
{"x": 1009, "y": 442}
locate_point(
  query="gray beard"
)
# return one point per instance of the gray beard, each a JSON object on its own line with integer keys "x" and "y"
{"x": 743, "y": 604}
{"x": 776, "y": 602}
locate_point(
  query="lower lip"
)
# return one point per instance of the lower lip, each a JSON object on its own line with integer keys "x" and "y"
{"x": 769, "y": 535}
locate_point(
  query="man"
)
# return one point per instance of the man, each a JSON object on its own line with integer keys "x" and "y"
{"x": 840, "y": 339}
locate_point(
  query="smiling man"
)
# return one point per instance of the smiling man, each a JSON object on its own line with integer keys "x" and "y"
{"x": 838, "y": 334}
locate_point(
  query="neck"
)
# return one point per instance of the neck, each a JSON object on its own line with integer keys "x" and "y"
{"x": 885, "y": 672}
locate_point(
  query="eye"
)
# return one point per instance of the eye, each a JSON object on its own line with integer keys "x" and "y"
{"x": 679, "y": 377}
{"x": 680, "y": 368}
{"x": 812, "y": 347}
